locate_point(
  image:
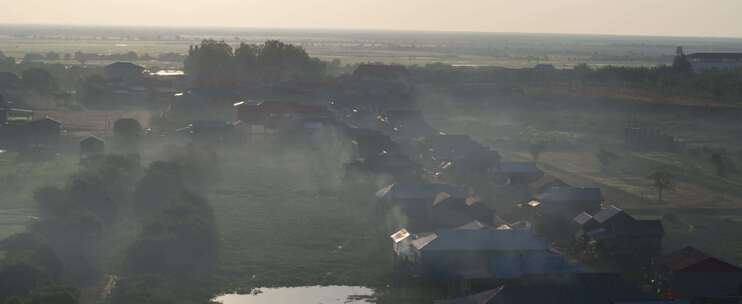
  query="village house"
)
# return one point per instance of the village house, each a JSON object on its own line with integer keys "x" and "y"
{"x": 554, "y": 210}
{"x": 369, "y": 143}
{"x": 572, "y": 288}
{"x": 123, "y": 72}
{"x": 692, "y": 274}
{"x": 621, "y": 236}
{"x": 520, "y": 173}
{"x": 210, "y": 132}
{"x": 415, "y": 200}
{"x": 544, "y": 183}
{"x": 478, "y": 256}
{"x": 399, "y": 167}
{"x": 406, "y": 124}
{"x": 90, "y": 147}
{"x": 714, "y": 61}
{"x": 202, "y": 104}
{"x": 12, "y": 114}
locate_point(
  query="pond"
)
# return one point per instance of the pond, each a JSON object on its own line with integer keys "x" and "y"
{"x": 305, "y": 294}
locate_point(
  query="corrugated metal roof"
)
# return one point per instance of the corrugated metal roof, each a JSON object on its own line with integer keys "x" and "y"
{"x": 485, "y": 240}
{"x": 583, "y": 218}
{"x": 407, "y": 191}
{"x": 607, "y": 213}
{"x": 571, "y": 194}
{"x": 400, "y": 235}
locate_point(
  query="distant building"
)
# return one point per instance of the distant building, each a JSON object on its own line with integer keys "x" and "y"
{"x": 122, "y": 71}
{"x": 91, "y": 146}
{"x": 692, "y": 274}
{"x": 405, "y": 123}
{"x": 714, "y": 61}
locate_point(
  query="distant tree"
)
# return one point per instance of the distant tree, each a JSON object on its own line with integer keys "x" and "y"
{"x": 662, "y": 181}
{"x": 38, "y": 79}
{"x": 127, "y": 133}
{"x": 681, "y": 63}
{"x": 52, "y": 56}
{"x": 536, "y": 149}
{"x": 211, "y": 63}
{"x": 605, "y": 158}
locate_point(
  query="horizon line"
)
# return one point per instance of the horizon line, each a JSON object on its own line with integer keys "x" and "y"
{"x": 349, "y": 29}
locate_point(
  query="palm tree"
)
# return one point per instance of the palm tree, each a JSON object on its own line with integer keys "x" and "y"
{"x": 661, "y": 180}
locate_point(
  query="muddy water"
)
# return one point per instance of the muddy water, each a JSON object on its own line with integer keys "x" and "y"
{"x": 306, "y": 294}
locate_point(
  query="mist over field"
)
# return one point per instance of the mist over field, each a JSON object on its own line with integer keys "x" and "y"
{"x": 172, "y": 164}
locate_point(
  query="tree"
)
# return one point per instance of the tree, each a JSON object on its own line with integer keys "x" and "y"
{"x": 536, "y": 149}
{"x": 211, "y": 63}
{"x": 681, "y": 63}
{"x": 605, "y": 158}
{"x": 662, "y": 181}
{"x": 127, "y": 133}
{"x": 38, "y": 79}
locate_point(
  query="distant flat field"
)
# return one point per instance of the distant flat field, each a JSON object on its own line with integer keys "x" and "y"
{"x": 458, "y": 48}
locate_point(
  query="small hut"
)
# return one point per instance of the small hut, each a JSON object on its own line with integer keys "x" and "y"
{"x": 91, "y": 146}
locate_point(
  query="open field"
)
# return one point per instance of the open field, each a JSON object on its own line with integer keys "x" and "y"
{"x": 457, "y": 48}
{"x": 287, "y": 219}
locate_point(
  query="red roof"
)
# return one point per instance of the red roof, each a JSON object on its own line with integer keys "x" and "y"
{"x": 690, "y": 259}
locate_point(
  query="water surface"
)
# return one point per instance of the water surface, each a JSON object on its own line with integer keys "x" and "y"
{"x": 306, "y": 294}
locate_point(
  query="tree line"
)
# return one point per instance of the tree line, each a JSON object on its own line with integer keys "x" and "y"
{"x": 217, "y": 64}
{"x": 151, "y": 226}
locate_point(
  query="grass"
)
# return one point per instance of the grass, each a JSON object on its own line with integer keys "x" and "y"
{"x": 19, "y": 180}
{"x": 286, "y": 219}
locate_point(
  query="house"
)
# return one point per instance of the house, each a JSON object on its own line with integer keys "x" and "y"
{"x": 368, "y": 142}
{"x": 522, "y": 173}
{"x": 714, "y": 61}
{"x": 449, "y": 212}
{"x": 122, "y": 71}
{"x": 690, "y": 273}
{"x": 212, "y": 131}
{"x": 569, "y": 201}
{"x": 381, "y": 72}
{"x": 45, "y": 132}
{"x": 477, "y": 167}
{"x": 271, "y": 113}
{"x": 572, "y": 288}
{"x": 91, "y": 146}
{"x": 544, "y": 183}
{"x": 12, "y": 114}
{"x": 623, "y": 236}
{"x": 398, "y": 166}
{"x": 585, "y": 222}
{"x": 202, "y": 104}
{"x": 480, "y": 255}
{"x": 405, "y": 124}
{"x": 416, "y": 202}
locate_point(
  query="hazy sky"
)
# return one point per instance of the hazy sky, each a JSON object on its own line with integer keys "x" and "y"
{"x": 646, "y": 17}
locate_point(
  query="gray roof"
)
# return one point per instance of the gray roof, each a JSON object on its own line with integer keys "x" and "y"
{"x": 485, "y": 240}
{"x": 572, "y": 194}
{"x": 607, "y": 213}
{"x": 583, "y": 218}
{"x": 519, "y": 265}
{"x": 407, "y": 191}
